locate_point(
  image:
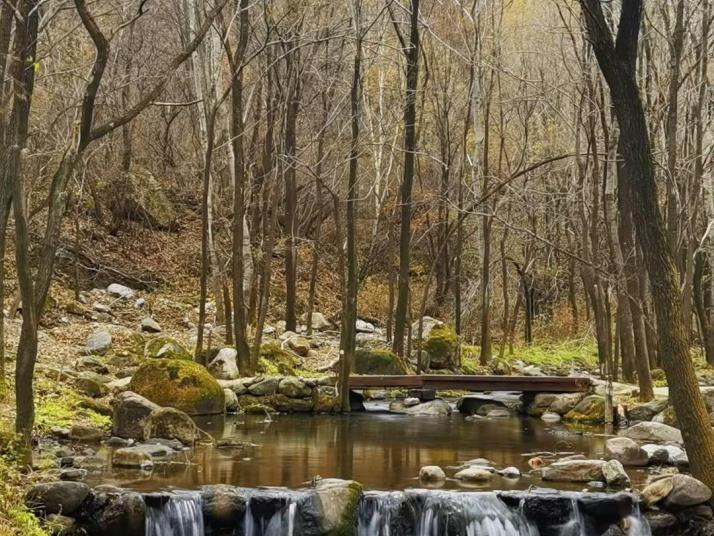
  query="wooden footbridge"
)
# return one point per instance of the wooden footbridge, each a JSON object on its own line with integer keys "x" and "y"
{"x": 524, "y": 384}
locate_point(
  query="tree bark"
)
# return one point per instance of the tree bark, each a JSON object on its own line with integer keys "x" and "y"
{"x": 410, "y": 112}
{"x": 617, "y": 60}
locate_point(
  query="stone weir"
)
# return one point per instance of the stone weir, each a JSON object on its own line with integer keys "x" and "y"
{"x": 332, "y": 507}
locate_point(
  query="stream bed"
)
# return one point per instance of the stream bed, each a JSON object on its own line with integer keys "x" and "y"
{"x": 381, "y": 450}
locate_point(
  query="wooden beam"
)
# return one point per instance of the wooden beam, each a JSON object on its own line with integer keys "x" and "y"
{"x": 532, "y": 384}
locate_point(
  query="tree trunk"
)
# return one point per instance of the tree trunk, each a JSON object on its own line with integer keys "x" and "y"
{"x": 410, "y": 111}
{"x": 617, "y": 61}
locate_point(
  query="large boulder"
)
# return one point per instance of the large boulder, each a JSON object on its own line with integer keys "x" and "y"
{"x": 541, "y": 403}
{"x": 130, "y": 412}
{"x": 378, "y": 361}
{"x": 433, "y": 408}
{"x": 338, "y": 501}
{"x": 590, "y": 409}
{"x": 565, "y": 403}
{"x": 122, "y": 513}
{"x": 138, "y": 196}
{"x": 653, "y": 431}
{"x": 432, "y": 473}
{"x": 224, "y": 365}
{"x": 574, "y": 471}
{"x": 442, "y": 347}
{"x": 427, "y": 324}
{"x": 626, "y": 451}
{"x": 275, "y": 359}
{"x": 614, "y": 474}
{"x": 170, "y": 423}
{"x": 57, "y": 497}
{"x": 677, "y": 491}
{"x": 646, "y": 411}
{"x": 222, "y": 505}
{"x": 166, "y": 348}
{"x": 181, "y": 384}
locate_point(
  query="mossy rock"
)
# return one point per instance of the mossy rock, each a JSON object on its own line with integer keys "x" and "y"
{"x": 138, "y": 196}
{"x": 276, "y": 360}
{"x": 180, "y": 384}
{"x": 166, "y": 348}
{"x": 378, "y": 361}
{"x": 338, "y": 501}
{"x": 590, "y": 410}
{"x": 442, "y": 347}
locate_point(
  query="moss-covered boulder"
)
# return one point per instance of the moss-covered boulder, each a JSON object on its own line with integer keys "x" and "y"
{"x": 378, "y": 361}
{"x": 179, "y": 384}
{"x": 138, "y": 196}
{"x": 590, "y": 410}
{"x": 442, "y": 346}
{"x": 276, "y": 360}
{"x": 166, "y": 348}
{"x": 338, "y": 500}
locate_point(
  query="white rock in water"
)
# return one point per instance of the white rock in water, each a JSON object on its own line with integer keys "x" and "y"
{"x": 432, "y": 473}
{"x": 550, "y": 416}
{"x": 224, "y": 365}
{"x": 120, "y": 291}
{"x": 511, "y": 472}
{"x": 363, "y": 326}
{"x": 411, "y": 401}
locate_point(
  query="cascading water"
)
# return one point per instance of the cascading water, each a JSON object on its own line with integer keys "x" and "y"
{"x": 179, "y": 515}
{"x": 279, "y": 519}
{"x": 437, "y": 513}
{"x": 635, "y": 524}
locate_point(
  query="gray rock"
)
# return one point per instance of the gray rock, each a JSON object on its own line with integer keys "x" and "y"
{"x": 132, "y": 457}
{"x": 541, "y": 403}
{"x": 231, "y": 401}
{"x": 499, "y": 413}
{"x": 99, "y": 342}
{"x": 130, "y": 413}
{"x": 299, "y": 345}
{"x": 434, "y": 408}
{"x": 85, "y": 433}
{"x": 510, "y": 472}
{"x": 222, "y": 505}
{"x": 238, "y": 386}
{"x": 474, "y": 474}
{"x": 677, "y": 491}
{"x": 319, "y": 322}
{"x": 149, "y": 325}
{"x": 171, "y": 423}
{"x": 293, "y": 387}
{"x": 91, "y": 364}
{"x": 90, "y": 387}
{"x": 676, "y": 455}
{"x": 120, "y": 291}
{"x": 653, "y": 431}
{"x": 337, "y": 500}
{"x": 646, "y": 411}
{"x": 550, "y": 416}
{"x": 102, "y": 308}
{"x": 266, "y": 387}
{"x": 614, "y": 474}
{"x": 656, "y": 454}
{"x": 362, "y": 326}
{"x": 428, "y": 323}
{"x": 411, "y": 402}
{"x": 57, "y": 497}
{"x": 432, "y": 473}
{"x": 574, "y": 471}
{"x": 73, "y": 474}
{"x": 626, "y": 451}
{"x": 224, "y": 366}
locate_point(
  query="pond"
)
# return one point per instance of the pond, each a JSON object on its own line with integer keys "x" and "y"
{"x": 381, "y": 450}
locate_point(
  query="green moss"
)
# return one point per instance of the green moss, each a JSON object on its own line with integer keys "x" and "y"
{"x": 15, "y": 519}
{"x": 561, "y": 354}
{"x": 166, "y": 348}
{"x": 339, "y": 501}
{"x": 442, "y": 346}
{"x": 179, "y": 384}
{"x": 590, "y": 410}
{"x": 275, "y": 360}
{"x": 378, "y": 361}
{"x": 59, "y": 405}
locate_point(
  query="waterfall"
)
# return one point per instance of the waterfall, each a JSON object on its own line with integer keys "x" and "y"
{"x": 179, "y": 515}
{"x": 437, "y": 513}
{"x": 276, "y": 517}
{"x": 635, "y": 524}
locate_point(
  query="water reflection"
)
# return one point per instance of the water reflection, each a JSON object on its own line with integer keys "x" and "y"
{"x": 381, "y": 450}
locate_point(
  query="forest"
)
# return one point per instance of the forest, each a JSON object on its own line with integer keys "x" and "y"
{"x": 271, "y": 199}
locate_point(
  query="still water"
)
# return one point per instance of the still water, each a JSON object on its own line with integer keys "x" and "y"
{"x": 382, "y": 451}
